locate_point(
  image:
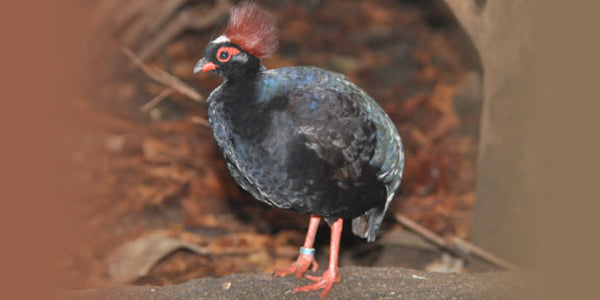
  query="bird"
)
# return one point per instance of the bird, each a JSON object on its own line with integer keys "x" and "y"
{"x": 300, "y": 138}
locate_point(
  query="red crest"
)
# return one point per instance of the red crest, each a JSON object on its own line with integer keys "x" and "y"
{"x": 253, "y": 29}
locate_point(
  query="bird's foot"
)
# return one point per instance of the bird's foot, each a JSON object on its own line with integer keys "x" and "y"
{"x": 299, "y": 266}
{"x": 324, "y": 282}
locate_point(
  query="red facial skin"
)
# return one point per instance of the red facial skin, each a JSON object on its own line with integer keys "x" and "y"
{"x": 230, "y": 52}
{"x": 208, "y": 67}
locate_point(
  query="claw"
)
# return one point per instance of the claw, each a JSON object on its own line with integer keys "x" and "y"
{"x": 324, "y": 282}
{"x": 331, "y": 276}
{"x": 338, "y": 277}
{"x": 298, "y": 267}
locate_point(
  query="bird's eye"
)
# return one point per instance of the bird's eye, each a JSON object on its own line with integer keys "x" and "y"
{"x": 224, "y": 53}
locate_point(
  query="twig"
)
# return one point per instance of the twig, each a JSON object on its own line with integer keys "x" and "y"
{"x": 421, "y": 230}
{"x": 150, "y": 21}
{"x": 199, "y": 121}
{"x": 175, "y": 85}
{"x": 164, "y": 77}
{"x": 156, "y": 100}
{"x": 171, "y": 30}
{"x": 458, "y": 246}
{"x": 187, "y": 19}
{"x": 483, "y": 254}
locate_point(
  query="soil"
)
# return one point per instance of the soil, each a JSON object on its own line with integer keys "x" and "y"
{"x": 357, "y": 283}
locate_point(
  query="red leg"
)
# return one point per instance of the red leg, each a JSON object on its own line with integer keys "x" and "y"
{"x": 304, "y": 260}
{"x": 330, "y": 276}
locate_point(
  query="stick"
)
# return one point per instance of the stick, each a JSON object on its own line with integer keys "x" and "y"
{"x": 458, "y": 246}
{"x": 483, "y": 254}
{"x": 156, "y": 100}
{"x": 421, "y": 230}
{"x": 187, "y": 19}
{"x": 164, "y": 77}
{"x": 199, "y": 121}
{"x": 150, "y": 21}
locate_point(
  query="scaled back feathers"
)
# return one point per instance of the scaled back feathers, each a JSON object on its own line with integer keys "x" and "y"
{"x": 253, "y": 29}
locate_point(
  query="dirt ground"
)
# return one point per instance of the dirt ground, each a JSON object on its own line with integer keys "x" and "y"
{"x": 151, "y": 177}
{"x": 358, "y": 283}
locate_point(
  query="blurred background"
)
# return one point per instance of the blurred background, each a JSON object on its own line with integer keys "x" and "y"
{"x": 73, "y": 202}
{"x": 154, "y": 202}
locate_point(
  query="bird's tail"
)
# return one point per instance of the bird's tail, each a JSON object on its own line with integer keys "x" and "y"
{"x": 367, "y": 225}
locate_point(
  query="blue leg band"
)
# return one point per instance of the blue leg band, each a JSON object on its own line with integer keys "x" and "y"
{"x": 307, "y": 251}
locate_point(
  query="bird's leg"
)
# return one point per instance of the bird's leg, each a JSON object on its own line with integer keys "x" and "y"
{"x": 332, "y": 275}
{"x": 306, "y": 257}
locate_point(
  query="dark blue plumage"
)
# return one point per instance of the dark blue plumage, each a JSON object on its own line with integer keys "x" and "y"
{"x": 301, "y": 138}
{"x": 309, "y": 140}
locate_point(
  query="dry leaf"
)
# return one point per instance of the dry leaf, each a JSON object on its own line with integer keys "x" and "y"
{"x": 136, "y": 258}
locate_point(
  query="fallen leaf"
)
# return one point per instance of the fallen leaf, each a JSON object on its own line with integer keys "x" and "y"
{"x": 137, "y": 257}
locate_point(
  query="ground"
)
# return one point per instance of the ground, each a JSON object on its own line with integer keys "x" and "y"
{"x": 358, "y": 283}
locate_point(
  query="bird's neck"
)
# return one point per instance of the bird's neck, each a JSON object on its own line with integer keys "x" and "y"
{"x": 246, "y": 116}
{"x": 241, "y": 91}
{"x": 252, "y": 69}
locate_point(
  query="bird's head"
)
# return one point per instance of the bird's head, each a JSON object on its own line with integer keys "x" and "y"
{"x": 250, "y": 36}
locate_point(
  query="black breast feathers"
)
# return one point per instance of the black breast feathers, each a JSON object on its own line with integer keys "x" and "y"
{"x": 309, "y": 140}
